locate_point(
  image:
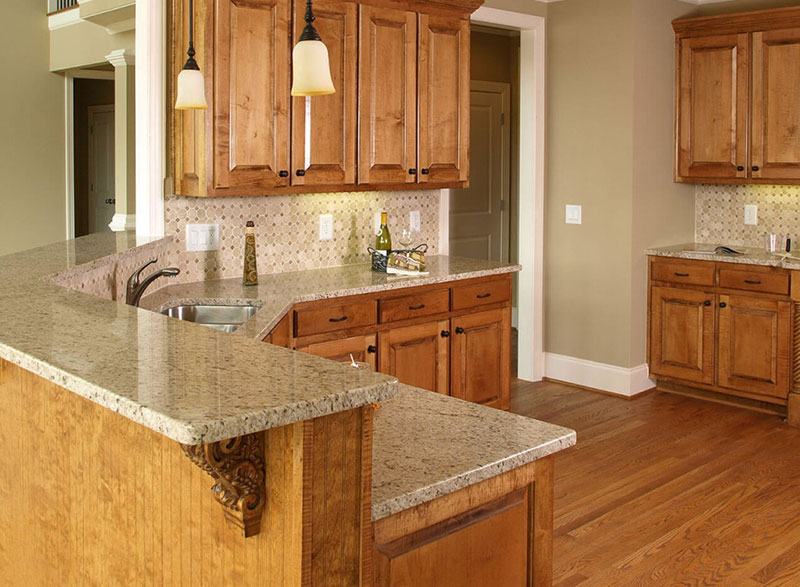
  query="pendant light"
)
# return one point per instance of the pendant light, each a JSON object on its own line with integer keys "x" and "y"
{"x": 191, "y": 86}
{"x": 311, "y": 70}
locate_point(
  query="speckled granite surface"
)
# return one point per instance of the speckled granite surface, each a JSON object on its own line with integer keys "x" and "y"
{"x": 752, "y": 255}
{"x": 190, "y": 383}
{"x": 426, "y": 445}
{"x": 277, "y": 293}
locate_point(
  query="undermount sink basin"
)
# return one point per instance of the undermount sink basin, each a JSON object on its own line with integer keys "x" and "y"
{"x": 224, "y": 318}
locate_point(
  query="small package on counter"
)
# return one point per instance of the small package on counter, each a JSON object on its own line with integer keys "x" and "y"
{"x": 406, "y": 263}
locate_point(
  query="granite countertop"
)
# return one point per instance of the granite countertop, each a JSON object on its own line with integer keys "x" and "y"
{"x": 426, "y": 445}
{"x": 190, "y": 383}
{"x": 751, "y": 256}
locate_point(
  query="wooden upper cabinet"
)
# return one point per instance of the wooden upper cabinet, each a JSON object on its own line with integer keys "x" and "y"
{"x": 755, "y": 345}
{"x": 444, "y": 97}
{"x": 251, "y": 93}
{"x": 776, "y": 105}
{"x": 387, "y": 96}
{"x": 323, "y": 127}
{"x": 712, "y": 107}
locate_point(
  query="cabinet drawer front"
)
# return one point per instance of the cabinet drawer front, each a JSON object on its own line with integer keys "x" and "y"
{"x": 693, "y": 273}
{"x": 335, "y": 317}
{"x": 769, "y": 282}
{"x": 480, "y": 294}
{"x": 413, "y": 306}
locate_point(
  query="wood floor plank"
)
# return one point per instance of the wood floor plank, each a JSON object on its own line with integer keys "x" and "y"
{"x": 669, "y": 490}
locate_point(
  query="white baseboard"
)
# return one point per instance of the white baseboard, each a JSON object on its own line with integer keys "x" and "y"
{"x": 610, "y": 378}
{"x": 514, "y": 317}
{"x": 122, "y": 222}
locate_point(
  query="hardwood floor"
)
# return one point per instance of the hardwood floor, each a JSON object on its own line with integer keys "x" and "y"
{"x": 670, "y": 490}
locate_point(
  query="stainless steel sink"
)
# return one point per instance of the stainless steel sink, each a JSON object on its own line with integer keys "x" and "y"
{"x": 225, "y": 318}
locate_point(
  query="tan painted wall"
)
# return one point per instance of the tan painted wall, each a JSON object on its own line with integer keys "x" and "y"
{"x": 525, "y": 6}
{"x": 84, "y": 45}
{"x": 609, "y": 149}
{"x": 32, "y": 127}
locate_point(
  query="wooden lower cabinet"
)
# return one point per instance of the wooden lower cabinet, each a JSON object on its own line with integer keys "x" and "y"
{"x": 754, "y": 345}
{"x": 361, "y": 348}
{"x": 480, "y": 357}
{"x": 417, "y": 355}
{"x": 682, "y": 334}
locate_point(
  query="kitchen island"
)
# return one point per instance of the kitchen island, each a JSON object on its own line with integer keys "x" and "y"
{"x": 118, "y": 422}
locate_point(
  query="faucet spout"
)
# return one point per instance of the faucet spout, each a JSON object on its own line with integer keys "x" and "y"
{"x": 136, "y": 287}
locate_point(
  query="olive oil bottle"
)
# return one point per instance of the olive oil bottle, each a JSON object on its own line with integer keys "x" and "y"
{"x": 383, "y": 243}
{"x": 250, "y": 269}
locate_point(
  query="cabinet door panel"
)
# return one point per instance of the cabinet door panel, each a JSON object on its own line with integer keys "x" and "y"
{"x": 340, "y": 350}
{"x": 444, "y": 96}
{"x": 480, "y": 359}
{"x": 324, "y": 128}
{"x": 776, "y": 105}
{"x": 754, "y": 345}
{"x": 682, "y": 334}
{"x": 712, "y": 109}
{"x": 251, "y": 93}
{"x": 416, "y": 355}
{"x": 387, "y": 95}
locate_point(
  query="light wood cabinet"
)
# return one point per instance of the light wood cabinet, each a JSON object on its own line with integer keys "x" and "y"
{"x": 480, "y": 361}
{"x": 738, "y": 98}
{"x": 735, "y": 336}
{"x": 361, "y": 348}
{"x": 417, "y": 355}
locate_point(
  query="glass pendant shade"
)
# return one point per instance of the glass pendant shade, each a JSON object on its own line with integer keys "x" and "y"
{"x": 191, "y": 91}
{"x": 311, "y": 70}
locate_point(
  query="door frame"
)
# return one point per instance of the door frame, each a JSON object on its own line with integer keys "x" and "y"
{"x": 92, "y": 110}
{"x": 530, "y": 322}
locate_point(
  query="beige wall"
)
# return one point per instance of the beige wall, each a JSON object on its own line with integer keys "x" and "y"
{"x": 525, "y": 6}
{"x": 609, "y": 149}
{"x": 84, "y": 44}
{"x": 32, "y": 126}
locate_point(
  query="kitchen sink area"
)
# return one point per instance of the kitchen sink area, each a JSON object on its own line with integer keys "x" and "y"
{"x": 226, "y": 318}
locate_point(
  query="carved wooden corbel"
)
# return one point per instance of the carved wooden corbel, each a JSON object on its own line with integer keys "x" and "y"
{"x": 237, "y": 466}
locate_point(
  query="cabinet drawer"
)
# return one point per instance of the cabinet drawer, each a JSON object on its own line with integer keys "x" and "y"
{"x": 692, "y": 272}
{"x": 480, "y": 294}
{"x": 764, "y": 281}
{"x": 335, "y": 317}
{"x": 423, "y": 304}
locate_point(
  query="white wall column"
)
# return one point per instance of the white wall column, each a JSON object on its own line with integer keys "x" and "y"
{"x": 124, "y": 140}
{"x": 151, "y": 130}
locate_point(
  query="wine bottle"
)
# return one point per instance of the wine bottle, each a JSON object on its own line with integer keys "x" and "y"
{"x": 384, "y": 241}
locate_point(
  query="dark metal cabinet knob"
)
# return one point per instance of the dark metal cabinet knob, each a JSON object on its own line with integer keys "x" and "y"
{"x": 740, "y": 168}
{"x": 755, "y": 168}
{"x": 412, "y": 171}
{"x": 459, "y": 330}
{"x": 283, "y": 173}
{"x": 300, "y": 172}
{"x": 723, "y": 305}
{"x": 445, "y": 333}
{"x": 707, "y": 303}
{"x": 425, "y": 171}
{"x": 372, "y": 349}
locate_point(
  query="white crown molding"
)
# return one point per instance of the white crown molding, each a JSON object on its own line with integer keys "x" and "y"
{"x": 121, "y": 222}
{"x": 608, "y": 378}
{"x": 64, "y": 18}
{"x": 120, "y": 58}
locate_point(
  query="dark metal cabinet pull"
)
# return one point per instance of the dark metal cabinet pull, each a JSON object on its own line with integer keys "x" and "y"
{"x": 740, "y": 168}
{"x": 283, "y": 173}
{"x": 723, "y": 305}
{"x": 753, "y": 281}
{"x": 300, "y": 172}
{"x": 681, "y": 274}
{"x": 342, "y": 319}
{"x": 445, "y": 333}
{"x": 419, "y": 307}
{"x": 484, "y": 296}
{"x": 707, "y": 303}
{"x": 755, "y": 168}
{"x": 425, "y": 171}
{"x": 372, "y": 349}
{"x": 459, "y": 330}
{"x": 412, "y": 171}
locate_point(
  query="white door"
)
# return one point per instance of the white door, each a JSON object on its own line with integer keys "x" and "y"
{"x": 101, "y": 167}
{"x": 479, "y": 214}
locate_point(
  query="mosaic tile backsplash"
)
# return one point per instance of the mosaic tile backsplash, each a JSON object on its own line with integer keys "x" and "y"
{"x": 719, "y": 213}
{"x": 287, "y": 229}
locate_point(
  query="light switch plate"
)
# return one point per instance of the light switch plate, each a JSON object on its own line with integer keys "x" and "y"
{"x": 325, "y": 227}
{"x": 415, "y": 222}
{"x": 202, "y": 237}
{"x": 751, "y": 214}
{"x": 573, "y": 214}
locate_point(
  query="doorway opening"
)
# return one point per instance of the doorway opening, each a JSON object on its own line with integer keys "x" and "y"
{"x": 93, "y": 155}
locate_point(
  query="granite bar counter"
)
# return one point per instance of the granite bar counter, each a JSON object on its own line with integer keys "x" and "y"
{"x": 751, "y": 255}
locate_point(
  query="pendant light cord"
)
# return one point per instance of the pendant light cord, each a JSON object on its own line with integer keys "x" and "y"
{"x": 190, "y": 62}
{"x": 309, "y": 32}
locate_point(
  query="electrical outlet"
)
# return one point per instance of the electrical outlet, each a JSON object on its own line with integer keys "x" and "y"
{"x": 415, "y": 222}
{"x": 751, "y": 214}
{"x": 202, "y": 237}
{"x": 325, "y": 227}
{"x": 377, "y": 228}
{"x": 573, "y": 214}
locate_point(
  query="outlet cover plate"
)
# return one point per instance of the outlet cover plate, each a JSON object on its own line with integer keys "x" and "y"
{"x": 202, "y": 237}
{"x": 326, "y": 227}
{"x": 415, "y": 221}
{"x": 751, "y": 214}
{"x": 573, "y": 214}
